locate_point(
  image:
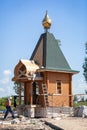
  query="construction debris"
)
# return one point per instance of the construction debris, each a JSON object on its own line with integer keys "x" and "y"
{"x": 23, "y": 123}
{"x": 80, "y": 111}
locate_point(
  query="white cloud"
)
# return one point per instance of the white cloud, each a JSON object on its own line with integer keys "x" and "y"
{"x": 80, "y": 86}
{"x": 4, "y": 80}
{"x": 7, "y": 72}
{"x": 6, "y": 85}
{"x": 7, "y": 90}
{"x": 1, "y": 90}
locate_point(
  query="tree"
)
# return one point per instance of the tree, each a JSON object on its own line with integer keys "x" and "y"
{"x": 75, "y": 99}
{"x": 85, "y": 91}
{"x": 85, "y": 64}
{"x": 17, "y": 88}
{"x": 82, "y": 99}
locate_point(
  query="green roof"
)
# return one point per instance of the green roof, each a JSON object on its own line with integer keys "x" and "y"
{"x": 53, "y": 58}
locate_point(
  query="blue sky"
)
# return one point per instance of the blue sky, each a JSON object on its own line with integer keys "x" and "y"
{"x": 21, "y": 27}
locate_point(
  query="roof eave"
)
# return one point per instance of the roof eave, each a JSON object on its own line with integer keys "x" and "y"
{"x": 58, "y": 70}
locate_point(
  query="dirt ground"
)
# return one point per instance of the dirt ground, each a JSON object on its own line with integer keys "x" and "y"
{"x": 70, "y": 123}
{"x": 64, "y": 123}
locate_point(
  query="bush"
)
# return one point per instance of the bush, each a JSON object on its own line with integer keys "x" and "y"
{"x": 2, "y": 108}
{"x": 3, "y": 101}
{"x": 80, "y": 103}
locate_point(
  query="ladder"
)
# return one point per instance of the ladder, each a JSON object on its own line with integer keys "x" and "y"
{"x": 45, "y": 94}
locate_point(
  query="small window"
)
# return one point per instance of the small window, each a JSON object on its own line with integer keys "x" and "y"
{"x": 37, "y": 88}
{"x": 58, "y": 87}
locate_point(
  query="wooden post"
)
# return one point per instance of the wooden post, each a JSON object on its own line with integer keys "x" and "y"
{"x": 70, "y": 91}
{"x": 25, "y": 93}
{"x": 28, "y": 93}
{"x": 19, "y": 93}
{"x": 31, "y": 98}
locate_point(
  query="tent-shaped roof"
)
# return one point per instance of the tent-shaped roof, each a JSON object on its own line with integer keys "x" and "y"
{"x": 50, "y": 54}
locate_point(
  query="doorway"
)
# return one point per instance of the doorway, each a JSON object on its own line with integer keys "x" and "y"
{"x": 35, "y": 89}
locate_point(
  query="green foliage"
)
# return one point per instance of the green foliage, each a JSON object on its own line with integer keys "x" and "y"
{"x": 3, "y": 101}
{"x": 2, "y": 108}
{"x": 18, "y": 87}
{"x": 85, "y": 91}
{"x": 86, "y": 100}
{"x": 75, "y": 98}
{"x": 82, "y": 99}
{"x": 15, "y": 87}
{"x": 85, "y": 64}
{"x": 80, "y": 103}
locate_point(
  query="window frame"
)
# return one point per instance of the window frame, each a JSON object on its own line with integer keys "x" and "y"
{"x": 60, "y": 87}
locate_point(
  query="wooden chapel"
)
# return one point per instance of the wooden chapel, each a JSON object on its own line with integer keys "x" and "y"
{"x": 47, "y": 76}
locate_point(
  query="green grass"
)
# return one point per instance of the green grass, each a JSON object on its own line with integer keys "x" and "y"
{"x": 80, "y": 103}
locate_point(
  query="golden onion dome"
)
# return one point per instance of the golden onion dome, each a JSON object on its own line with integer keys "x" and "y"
{"x": 46, "y": 21}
